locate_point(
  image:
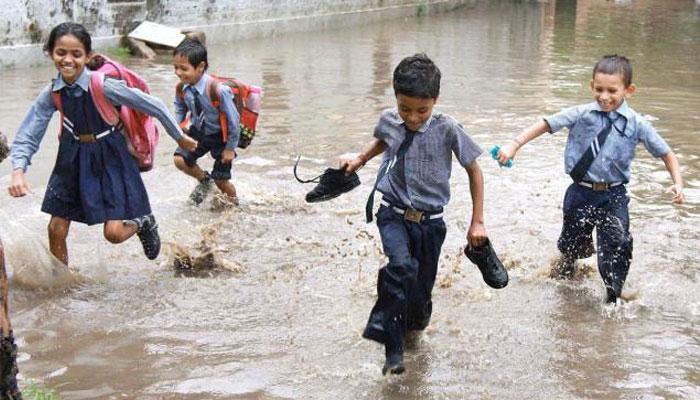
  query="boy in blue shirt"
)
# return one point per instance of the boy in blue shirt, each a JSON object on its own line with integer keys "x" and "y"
{"x": 599, "y": 150}
{"x": 418, "y": 144}
{"x": 193, "y": 95}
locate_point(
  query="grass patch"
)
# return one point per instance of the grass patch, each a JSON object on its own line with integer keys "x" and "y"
{"x": 35, "y": 391}
{"x": 120, "y": 54}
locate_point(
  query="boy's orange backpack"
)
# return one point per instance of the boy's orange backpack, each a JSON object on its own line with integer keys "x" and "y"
{"x": 247, "y": 99}
{"x": 138, "y": 127}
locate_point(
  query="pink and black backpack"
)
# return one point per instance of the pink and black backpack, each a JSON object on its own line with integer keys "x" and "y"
{"x": 139, "y": 128}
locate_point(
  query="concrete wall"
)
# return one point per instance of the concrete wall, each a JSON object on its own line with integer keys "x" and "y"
{"x": 24, "y": 24}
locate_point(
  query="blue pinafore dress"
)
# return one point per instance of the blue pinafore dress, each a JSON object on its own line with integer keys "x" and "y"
{"x": 93, "y": 182}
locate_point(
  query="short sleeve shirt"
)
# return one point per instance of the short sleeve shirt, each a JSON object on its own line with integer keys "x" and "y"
{"x": 421, "y": 180}
{"x": 613, "y": 162}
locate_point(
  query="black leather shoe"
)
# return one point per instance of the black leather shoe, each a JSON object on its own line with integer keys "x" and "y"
{"x": 331, "y": 184}
{"x": 201, "y": 191}
{"x": 148, "y": 235}
{"x": 492, "y": 270}
{"x": 393, "y": 363}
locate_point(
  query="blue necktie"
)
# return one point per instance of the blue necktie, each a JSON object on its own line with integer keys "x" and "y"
{"x": 199, "y": 112}
{"x": 403, "y": 148}
{"x": 581, "y": 167}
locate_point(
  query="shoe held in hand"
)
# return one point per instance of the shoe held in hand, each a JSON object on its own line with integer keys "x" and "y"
{"x": 492, "y": 270}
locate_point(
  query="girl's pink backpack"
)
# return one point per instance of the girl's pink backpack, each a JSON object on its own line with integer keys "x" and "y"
{"x": 138, "y": 127}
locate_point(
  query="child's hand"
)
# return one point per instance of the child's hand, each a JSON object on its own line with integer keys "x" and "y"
{"x": 18, "y": 187}
{"x": 476, "y": 236}
{"x": 351, "y": 165}
{"x": 677, "y": 190}
{"x": 506, "y": 153}
{"x": 227, "y": 156}
{"x": 187, "y": 143}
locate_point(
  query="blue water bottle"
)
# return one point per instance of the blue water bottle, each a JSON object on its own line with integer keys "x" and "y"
{"x": 494, "y": 155}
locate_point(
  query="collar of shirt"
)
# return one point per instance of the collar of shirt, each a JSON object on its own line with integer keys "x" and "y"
{"x": 423, "y": 127}
{"x": 623, "y": 110}
{"x": 200, "y": 86}
{"x": 83, "y": 81}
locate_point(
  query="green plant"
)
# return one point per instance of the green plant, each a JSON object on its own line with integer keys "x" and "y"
{"x": 118, "y": 53}
{"x": 34, "y": 391}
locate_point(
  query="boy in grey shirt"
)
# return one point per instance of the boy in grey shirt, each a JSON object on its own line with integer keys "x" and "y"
{"x": 413, "y": 179}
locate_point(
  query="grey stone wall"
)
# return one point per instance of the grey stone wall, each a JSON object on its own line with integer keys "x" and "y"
{"x": 24, "y": 24}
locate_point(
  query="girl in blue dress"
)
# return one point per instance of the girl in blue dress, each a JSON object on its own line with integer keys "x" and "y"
{"x": 95, "y": 179}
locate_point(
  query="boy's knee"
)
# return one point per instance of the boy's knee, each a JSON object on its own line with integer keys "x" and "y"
{"x": 222, "y": 183}
{"x": 179, "y": 162}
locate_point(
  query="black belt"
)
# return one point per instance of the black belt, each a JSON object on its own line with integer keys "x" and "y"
{"x": 599, "y": 186}
{"x": 411, "y": 214}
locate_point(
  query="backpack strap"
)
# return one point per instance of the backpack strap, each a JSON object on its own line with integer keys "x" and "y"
{"x": 213, "y": 89}
{"x": 180, "y": 94}
{"x": 56, "y": 96}
{"x": 180, "y": 90}
{"x": 107, "y": 111}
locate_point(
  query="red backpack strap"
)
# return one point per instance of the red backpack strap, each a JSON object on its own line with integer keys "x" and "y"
{"x": 56, "y": 96}
{"x": 180, "y": 90}
{"x": 107, "y": 111}
{"x": 213, "y": 89}
{"x": 180, "y": 94}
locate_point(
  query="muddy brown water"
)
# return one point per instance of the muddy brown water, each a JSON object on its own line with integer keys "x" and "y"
{"x": 285, "y": 321}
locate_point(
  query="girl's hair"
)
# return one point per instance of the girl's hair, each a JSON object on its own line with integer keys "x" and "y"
{"x": 194, "y": 51}
{"x": 417, "y": 76}
{"x": 68, "y": 28}
{"x": 615, "y": 65}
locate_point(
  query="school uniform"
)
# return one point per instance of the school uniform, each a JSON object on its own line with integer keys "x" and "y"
{"x": 413, "y": 179}
{"x": 599, "y": 199}
{"x": 95, "y": 178}
{"x": 205, "y": 124}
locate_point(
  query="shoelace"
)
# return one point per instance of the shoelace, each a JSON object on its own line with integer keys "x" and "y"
{"x": 313, "y": 180}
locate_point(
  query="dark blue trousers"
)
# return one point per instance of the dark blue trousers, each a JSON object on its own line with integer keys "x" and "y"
{"x": 585, "y": 209}
{"x": 405, "y": 284}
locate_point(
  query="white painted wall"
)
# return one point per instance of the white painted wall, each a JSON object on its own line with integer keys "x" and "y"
{"x": 25, "y": 24}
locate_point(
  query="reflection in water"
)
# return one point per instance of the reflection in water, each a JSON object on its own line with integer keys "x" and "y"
{"x": 590, "y": 364}
{"x": 288, "y": 323}
{"x": 275, "y": 95}
{"x": 382, "y": 71}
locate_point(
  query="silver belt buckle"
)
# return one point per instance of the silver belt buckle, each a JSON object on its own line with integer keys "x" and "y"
{"x": 600, "y": 186}
{"x": 413, "y": 215}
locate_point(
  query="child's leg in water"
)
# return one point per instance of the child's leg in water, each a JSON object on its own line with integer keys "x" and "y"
{"x": 194, "y": 171}
{"x": 116, "y": 231}
{"x": 227, "y": 187}
{"x": 58, "y": 232}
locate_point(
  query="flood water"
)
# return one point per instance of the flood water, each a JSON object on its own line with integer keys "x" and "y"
{"x": 286, "y": 322}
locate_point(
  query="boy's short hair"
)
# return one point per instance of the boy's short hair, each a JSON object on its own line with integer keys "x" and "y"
{"x": 417, "y": 76}
{"x": 615, "y": 65}
{"x": 193, "y": 50}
